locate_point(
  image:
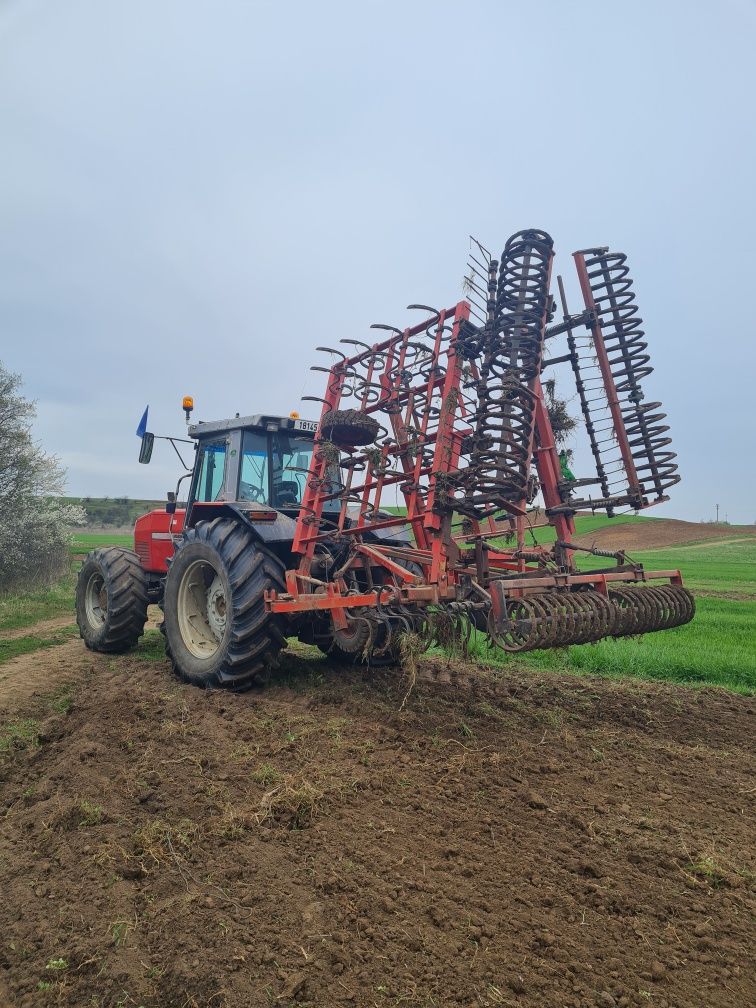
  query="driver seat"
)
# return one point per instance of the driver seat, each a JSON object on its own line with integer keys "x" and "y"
{"x": 287, "y": 494}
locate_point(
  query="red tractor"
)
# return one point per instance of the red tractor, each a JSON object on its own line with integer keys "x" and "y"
{"x": 209, "y": 565}
{"x": 286, "y": 531}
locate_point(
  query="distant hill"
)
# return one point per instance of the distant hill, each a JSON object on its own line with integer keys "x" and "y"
{"x": 634, "y": 532}
{"x": 630, "y": 532}
{"x": 118, "y": 512}
{"x": 657, "y": 533}
{"x": 642, "y": 532}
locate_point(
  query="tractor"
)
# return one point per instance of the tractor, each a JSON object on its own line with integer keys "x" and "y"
{"x": 286, "y": 531}
{"x": 210, "y": 564}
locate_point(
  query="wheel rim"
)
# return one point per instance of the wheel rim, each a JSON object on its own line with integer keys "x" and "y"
{"x": 201, "y": 606}
{"x": 96, "y": 600}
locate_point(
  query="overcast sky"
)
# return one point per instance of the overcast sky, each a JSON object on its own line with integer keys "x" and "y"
{"x": 193, "y": 195}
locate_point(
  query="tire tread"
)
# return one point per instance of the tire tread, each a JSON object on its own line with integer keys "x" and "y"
{"x": 256, "y": 635}
{"x": 126, "y": 586}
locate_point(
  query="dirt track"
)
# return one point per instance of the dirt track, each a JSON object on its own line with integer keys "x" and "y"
{"x": 528, "y": 841}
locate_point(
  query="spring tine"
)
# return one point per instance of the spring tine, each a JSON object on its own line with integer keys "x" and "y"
{"x": 512, "y": 345}
{"x": 387, "y": 328}
{"x": 421, "y": 307}
{"x": 629, "y": 362}
{"x": 357, "y": 343}
{"x": 325, "y": 349}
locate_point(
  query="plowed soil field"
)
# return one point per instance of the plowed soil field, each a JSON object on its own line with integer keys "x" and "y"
{"x": 660, "y": 533}
{"x": 503, "y": 838}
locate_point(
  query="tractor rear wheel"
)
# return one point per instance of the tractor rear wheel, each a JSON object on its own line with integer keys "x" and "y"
{"x": 218, "y": 632}
{"x": 111, "y": 600}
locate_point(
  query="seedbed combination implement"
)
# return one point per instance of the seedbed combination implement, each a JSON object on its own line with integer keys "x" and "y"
{"x": 287, "y": 530}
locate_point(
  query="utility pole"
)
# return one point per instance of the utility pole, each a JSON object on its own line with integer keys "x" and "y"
{"x": 717, "y": 507}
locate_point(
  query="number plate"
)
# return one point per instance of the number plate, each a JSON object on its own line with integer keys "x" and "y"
{"x": 308, "y": 425}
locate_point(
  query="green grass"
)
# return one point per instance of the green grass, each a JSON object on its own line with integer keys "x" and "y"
{"x": 61, "y": 701}
{"x": 83, "y": 542}
{"x": 151, "y": 646}
{"x": 718, "y": 647}
{"x": 34, "y": 642}
{"x": 725, "y": 570}
{"x": 20, "y": 734}
{"x": 25, "y": 608}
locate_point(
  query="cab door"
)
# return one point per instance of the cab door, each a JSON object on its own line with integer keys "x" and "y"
{"x": 210, "y": 471}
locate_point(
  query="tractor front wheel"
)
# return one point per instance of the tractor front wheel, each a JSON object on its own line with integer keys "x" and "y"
{"x": 218, "y": 632}
{"x": 111, "y": 600}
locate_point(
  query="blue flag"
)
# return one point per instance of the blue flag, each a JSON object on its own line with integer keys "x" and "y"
{"x": 142, "y": 428}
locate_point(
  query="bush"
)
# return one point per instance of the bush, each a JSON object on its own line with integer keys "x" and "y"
{"x": 33, "y": 524}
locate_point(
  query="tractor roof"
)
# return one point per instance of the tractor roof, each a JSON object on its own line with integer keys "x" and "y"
{"x": 259, "y": 421}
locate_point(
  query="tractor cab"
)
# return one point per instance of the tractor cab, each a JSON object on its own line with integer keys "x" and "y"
{"x": 254, "y": 460}
{"x": 251, "y": 468}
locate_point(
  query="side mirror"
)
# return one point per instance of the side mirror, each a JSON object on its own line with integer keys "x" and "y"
{"x": 170, "y": 507}
{"x": 145, "y": 452}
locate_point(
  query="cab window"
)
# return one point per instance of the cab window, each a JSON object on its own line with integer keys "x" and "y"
{"x": 253, "y": 471}
{"x": 291, "y": 455}
{"x": 212, "y": 472}
{"x": 274, "y": 469}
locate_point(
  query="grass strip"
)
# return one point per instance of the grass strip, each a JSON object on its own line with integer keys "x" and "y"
{"x": 25, "y": 608}
{"x": 19, "y": 734}
{"x": 26, "y": 645}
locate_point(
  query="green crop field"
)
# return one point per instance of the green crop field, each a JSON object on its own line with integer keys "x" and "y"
{"x": 82, "y": 542}
{"x": 717, "y": 648}
{"x": 584, "y": 524}
{"x": 723, "y": 570}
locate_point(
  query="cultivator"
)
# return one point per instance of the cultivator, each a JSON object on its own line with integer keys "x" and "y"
{"x": 451, "y": 410}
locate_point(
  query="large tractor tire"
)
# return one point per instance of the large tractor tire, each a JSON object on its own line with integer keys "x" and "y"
{"x": 218, "y": 633}
{"x": 111, "y": 600}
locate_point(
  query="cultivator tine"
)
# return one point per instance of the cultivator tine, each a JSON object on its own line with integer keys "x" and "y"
{"x": 590, "y": 425}
{"x": 512, "y": 347}
{"x": 621, "y": 351}
{"x": 476, "y": 281}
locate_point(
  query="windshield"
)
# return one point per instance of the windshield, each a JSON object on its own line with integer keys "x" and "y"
{"x": 291, "y": 455}
{"x": 274, "y": 469}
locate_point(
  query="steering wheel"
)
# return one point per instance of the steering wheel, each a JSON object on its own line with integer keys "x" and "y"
{"x": 250, "y": 492}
